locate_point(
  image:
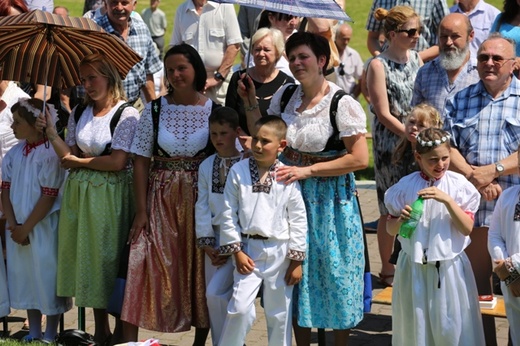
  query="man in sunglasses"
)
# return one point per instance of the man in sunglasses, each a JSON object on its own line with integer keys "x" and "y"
{"x": 350, "y": 67}
{"x": 483, "y": 122}
{"x": 454, "y": 68}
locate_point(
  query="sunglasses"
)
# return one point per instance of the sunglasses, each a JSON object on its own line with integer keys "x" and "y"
{"x": 410, "y": 32}
{"x": 341, "y": 69}
{"x": 497, "y": 59}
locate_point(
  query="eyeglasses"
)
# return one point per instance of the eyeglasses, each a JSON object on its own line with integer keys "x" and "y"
{"x": 341, "y": 69}
{"x": 497, "y": 59}
{"x": 410, "y": 32}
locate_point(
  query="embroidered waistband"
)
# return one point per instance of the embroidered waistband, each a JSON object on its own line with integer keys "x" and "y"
{"x": 176, "y": 164}
{"x": 299, "y": 158}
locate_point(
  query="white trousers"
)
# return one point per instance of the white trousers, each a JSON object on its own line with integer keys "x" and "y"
{"x": 218, "y": 293}
{"x": 270, "y": 267}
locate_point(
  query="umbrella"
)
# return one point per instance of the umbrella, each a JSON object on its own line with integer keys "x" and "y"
{"x": 298, "y": 8}
{"x": 43, "y": 48}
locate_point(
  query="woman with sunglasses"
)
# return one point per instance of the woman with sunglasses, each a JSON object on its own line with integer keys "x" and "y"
{"x": 390, "y": 78}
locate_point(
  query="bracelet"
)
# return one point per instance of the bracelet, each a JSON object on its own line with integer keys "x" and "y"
{"x": 252, "y": 108}
{"x": 52, "y": 138}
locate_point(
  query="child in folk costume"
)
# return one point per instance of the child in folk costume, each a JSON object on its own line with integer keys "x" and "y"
{"x": 224, "y": 130}
{"x": 504, "y": 248}
{"x": 31, "y": 179}
{"x": 433, "y": 271}
{"x": 264, "y": 227}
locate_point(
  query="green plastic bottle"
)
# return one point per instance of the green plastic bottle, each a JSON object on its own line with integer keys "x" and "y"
{"x": 408, "y": 227}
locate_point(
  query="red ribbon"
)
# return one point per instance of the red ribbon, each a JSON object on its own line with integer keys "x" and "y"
{"x": 28, "y": 147}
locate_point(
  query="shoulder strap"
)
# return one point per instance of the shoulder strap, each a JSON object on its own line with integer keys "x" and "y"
{"x": 113, "y": 123}
{"x": 334, "y": 142}
{"x": 156, "y": 111}
{"x": 209, "y": 149}
{"x": 80, "y": 108}
{"x": 286, "y": 96}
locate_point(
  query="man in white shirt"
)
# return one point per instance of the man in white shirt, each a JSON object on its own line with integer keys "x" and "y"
{"x": 350, "y": 67}
{"x": 212, "y": 29}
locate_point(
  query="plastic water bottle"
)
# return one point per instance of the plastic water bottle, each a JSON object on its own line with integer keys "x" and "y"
{"x": 408, "y": 227}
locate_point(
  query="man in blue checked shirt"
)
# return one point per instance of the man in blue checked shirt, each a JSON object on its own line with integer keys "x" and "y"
{"x": 135, "y": 33}
{"x": 454, "y": 68}
{"x": 484, "y": 122}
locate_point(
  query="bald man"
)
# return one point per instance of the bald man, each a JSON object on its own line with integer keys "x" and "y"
{"x": 454, "y": 68}
{"x": 350, "y": 67}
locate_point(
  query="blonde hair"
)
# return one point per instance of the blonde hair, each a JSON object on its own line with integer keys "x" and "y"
{"x": 106, "y": 69}
{"x": 394, "y": 18}
{"x": 423, "y": 113}
{"x": 276, "y": 37}
{"x": 431, "y": 138}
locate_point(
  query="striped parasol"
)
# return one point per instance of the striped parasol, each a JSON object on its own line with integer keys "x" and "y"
{"x": 43, "y": 48}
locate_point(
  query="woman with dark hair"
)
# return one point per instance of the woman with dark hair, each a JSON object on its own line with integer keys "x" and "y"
{"x": 97, "y": 206}
{"x": 165, "y": 288}
{"x": 322, "y": 154}
{"x": 507, "y": 23}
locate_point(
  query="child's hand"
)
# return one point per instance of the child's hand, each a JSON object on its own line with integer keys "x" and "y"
{"x": 244, "y": 264}
{"x": 294, "y": 273}
{"x": 19, "y": 234}
{"x": 139, "y": 225}
{"x": 405, "y": 213}
{"x": 214, "y": 256}
{"x": 434, "y": 193}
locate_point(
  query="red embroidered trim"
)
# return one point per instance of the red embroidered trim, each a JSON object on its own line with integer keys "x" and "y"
{"x": 28, "y": 147}
{"x": 470, "y": 214}
{"x": 47, "y": 191}
{"x": 6, "y": 185}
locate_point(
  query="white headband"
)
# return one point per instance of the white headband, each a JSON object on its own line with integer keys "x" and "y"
{"x": 36, "y": 112}
{"x": 433, "y": 143}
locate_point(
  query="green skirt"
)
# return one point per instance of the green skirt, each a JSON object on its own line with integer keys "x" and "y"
{"x": 96, "y": 214}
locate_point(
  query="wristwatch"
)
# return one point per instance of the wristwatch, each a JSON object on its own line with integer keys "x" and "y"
{"x": 499, "y": 168}
{"x": 219, "y": 76}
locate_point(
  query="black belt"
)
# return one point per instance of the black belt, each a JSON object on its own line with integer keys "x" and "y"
{"x": 253, "y": 236}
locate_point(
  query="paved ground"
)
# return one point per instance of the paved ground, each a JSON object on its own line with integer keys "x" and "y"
{"x": 374, "y": 330}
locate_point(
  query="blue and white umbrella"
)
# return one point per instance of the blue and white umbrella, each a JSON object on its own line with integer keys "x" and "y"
{"x": 298, "y": 8}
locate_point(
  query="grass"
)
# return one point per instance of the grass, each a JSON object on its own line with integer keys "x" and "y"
{"x": 357, "y": 10}
{"x": 13, "y": 342}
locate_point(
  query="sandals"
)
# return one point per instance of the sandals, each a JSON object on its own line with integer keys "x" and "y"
{"x": 386, "y": 280}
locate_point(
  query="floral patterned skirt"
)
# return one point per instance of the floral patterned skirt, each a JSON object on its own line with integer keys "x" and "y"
{"x": 330, "y": 294}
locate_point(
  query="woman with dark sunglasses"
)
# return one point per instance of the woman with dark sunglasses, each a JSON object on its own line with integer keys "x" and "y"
{"x": 390, "y": 78}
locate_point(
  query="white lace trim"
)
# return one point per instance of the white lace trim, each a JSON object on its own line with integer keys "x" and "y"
{"x": 183, "y": 130}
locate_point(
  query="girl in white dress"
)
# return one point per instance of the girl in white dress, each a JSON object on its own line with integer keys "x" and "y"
{"x": 435, "y": 298}
{"x": 31, "y": 179}
{"x": 10, "y": 93}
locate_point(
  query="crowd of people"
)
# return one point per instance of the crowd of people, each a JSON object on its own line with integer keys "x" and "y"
{"x": 178, "y": 208}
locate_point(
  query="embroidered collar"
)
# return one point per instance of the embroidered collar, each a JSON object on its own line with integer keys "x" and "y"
{"x": 427, "y": 178}
{"x": 28, "y": 147}
{"x": 255, "y": 177}
{"x": 221, "y": 166}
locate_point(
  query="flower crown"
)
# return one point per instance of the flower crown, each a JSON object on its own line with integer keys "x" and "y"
{"x": 433, "y": 143}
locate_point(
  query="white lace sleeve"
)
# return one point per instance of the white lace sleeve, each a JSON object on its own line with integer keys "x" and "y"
{"x": 142, "y": 143}
{"x": 70, "y": 139}
{"x": 125, "y": 129}
{"x": 350, "y": 118}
